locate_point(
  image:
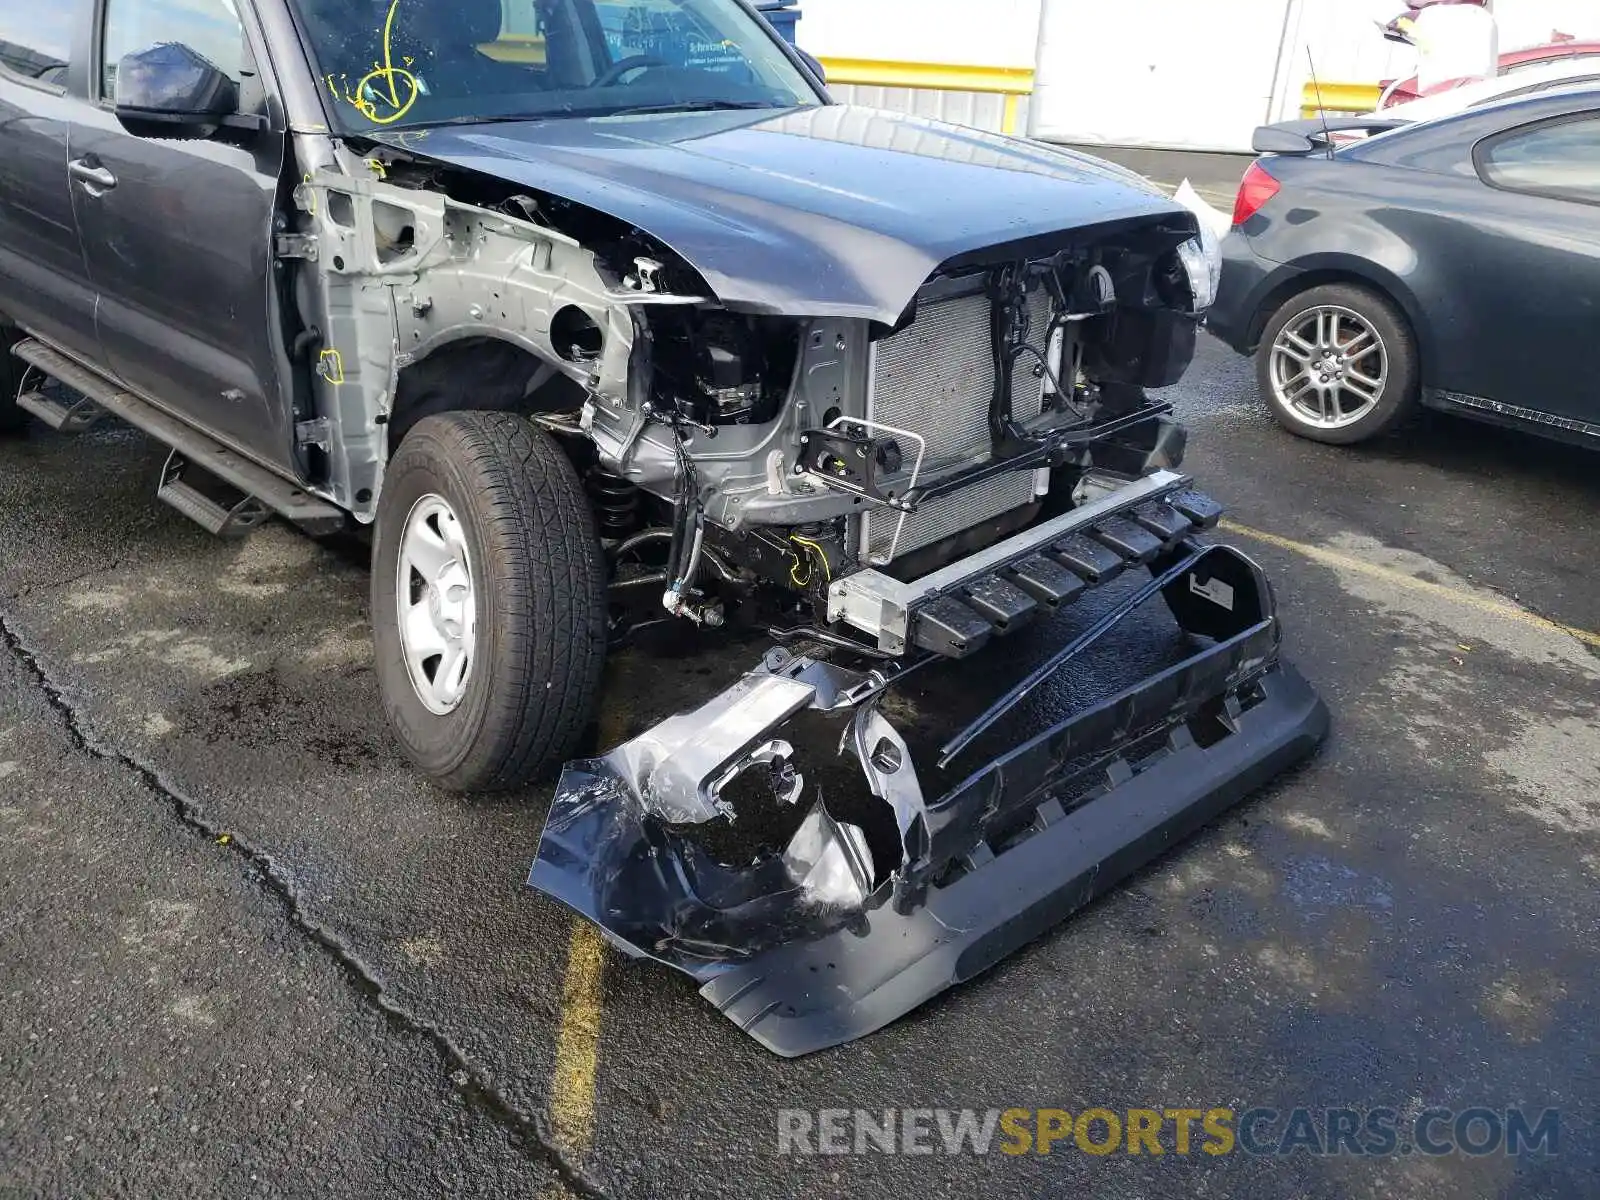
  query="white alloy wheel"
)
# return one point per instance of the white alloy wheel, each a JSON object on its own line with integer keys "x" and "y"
{"x": 1328, "y": 367}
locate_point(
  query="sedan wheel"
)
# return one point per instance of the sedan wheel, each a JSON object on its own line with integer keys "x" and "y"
{"x": 1338, "y": 363}
{"x": 1329, "y": 366}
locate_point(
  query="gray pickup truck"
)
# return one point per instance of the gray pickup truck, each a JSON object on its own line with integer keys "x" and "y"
{"x": 601, "y": 314}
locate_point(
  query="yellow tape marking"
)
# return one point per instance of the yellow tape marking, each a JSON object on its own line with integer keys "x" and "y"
{"x": 330, "y": 365}
{"x": 398, "y": 80}
{"x": 794, "y": 571}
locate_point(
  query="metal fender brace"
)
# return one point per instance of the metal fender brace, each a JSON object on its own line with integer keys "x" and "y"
{"x": 842, "y": 929}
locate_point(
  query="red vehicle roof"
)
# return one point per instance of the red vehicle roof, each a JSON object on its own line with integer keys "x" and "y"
{"x": 1509, "y": 61}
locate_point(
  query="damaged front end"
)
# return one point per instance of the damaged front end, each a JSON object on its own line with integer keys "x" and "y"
{"x": 835, "y": 933}
{"x": 913, "y": 487}
{"x": 898, "y": 441}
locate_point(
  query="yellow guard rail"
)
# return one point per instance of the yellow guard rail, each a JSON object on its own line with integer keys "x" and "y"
{"x": 1011, "y": 82}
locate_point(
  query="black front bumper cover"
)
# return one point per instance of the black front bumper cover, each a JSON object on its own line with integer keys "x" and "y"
{"x": 800, "y": 949}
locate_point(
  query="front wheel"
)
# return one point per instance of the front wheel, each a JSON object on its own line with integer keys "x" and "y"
{"x": 488, "y": 601}
{"x": 1338, "y": 364}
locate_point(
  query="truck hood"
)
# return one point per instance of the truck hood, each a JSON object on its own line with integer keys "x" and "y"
{"x": 832, "y": 211}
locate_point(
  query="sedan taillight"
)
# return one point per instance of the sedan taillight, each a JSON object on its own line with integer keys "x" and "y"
{"x": 1255, "y": 189}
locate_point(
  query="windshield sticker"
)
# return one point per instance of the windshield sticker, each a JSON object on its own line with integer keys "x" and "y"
{"x": 668, "y": 32}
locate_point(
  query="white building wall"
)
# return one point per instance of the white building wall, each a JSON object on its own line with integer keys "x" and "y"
{"x": 1343, "y": 41}
{"x": 1193, "y": 74}
{"x": 965, "y": 33}
{"x": 1197, "y": 74}
{"x": 1525, "y": 23}
{"x": 972, "y": 33}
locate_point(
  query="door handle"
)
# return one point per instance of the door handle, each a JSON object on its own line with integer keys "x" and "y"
{"x": 96, "y": 179}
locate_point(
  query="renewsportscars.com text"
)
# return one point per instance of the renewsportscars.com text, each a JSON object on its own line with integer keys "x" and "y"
{"x": 1377, "y": 1131}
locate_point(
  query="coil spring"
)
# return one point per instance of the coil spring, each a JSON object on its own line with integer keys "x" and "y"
{"x": 616, "y": 502}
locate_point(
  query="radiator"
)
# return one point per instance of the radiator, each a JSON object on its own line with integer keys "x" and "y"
{"x": 935, "y": 377}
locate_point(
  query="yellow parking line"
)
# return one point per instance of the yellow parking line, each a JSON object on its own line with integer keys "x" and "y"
{"x": 572, "y": 1091}
{"x": 1347, "y": 562}
{"x": 572, "y": 1088}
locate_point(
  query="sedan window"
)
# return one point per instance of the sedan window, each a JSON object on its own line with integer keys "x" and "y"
{"x": 1559, "y": 159}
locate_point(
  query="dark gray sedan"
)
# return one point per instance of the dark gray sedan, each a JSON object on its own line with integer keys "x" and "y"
{"x": 1453, "y": 264}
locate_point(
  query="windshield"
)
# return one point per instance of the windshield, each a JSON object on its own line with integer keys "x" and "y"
{"x": 400, "y": 64}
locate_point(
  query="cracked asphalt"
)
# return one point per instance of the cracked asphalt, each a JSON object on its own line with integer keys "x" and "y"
{"x": 247, "y": 952}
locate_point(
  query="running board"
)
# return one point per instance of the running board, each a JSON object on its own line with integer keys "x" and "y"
{"x": 263, "y": 488}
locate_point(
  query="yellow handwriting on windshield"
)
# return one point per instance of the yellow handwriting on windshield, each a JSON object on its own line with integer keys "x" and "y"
{"x": 386, "y": 93}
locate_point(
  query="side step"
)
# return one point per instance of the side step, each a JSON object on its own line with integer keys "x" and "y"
{"x": 76, "y": 417}
{"x": 262, "y": 489}
{"x": 224, "y": 520}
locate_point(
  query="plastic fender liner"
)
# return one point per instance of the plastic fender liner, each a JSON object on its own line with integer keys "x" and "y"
{"x": 801, "y": 948}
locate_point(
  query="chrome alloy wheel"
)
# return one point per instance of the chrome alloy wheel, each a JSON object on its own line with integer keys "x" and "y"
{"x": 1328, "y": 367}
{"x": 437, "y": 604}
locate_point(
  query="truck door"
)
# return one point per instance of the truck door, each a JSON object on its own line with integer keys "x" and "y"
{"x": 43, "y": 282}
{"x": 178, "y": 236}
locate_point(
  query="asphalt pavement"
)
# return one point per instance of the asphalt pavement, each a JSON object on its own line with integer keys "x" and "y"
{"x": 246, "y": 951}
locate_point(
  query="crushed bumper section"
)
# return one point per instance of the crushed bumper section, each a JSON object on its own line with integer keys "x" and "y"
{"x": 813, "y": 994}
{"x": 814, "y": 943}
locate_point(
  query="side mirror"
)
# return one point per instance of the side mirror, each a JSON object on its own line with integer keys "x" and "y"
{"x": 173, "y": 91}
{"x": 815, "y": 66}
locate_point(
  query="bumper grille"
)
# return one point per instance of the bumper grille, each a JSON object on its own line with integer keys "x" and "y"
{"x": 935, "y": 377}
